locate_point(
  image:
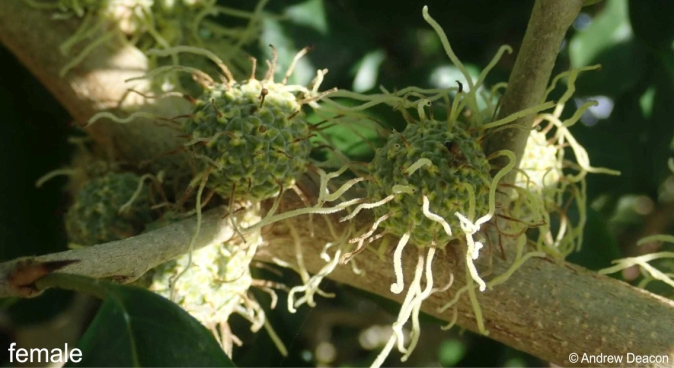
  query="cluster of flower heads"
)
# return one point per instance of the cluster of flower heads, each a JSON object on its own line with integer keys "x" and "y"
{"x": 431, "y": 186}
{"x": 148, "y": 24}
{"x": 247, "y": 141}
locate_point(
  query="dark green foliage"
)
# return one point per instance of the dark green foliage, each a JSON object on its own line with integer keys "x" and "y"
{"x": 137, "y": 328}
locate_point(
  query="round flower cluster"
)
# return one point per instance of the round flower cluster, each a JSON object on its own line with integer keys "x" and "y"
{"x": 103, "y": 212}
{"x": 214, "y": 282}
{"x": 458, "y": 167}
{"x": 253, "y": 136}
{"x": 213, "y": 286}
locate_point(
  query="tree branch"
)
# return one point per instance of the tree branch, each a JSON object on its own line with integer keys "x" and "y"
{"x": 548, "y": 308}
{"x": 96, "y": 84}
{"x": 550, "y": 19}
{"x": 122, "y": 261}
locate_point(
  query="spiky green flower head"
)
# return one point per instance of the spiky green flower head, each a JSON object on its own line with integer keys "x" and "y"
{"x": 457, "y": 167}
{"x": 252, "y": 136}
{"x": 108, "y": 208}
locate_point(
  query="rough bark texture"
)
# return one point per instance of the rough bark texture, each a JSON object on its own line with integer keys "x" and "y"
{"x": 548, "y": 308}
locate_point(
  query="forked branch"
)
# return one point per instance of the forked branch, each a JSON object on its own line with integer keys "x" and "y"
{"x": 547, "y": 308}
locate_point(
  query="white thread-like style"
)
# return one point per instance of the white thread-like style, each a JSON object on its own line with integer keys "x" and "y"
{"x": 399, "y": 285}
{"x": 404, "y": 313}
{"x": 437, "y": 218}
{"x": 366, "y": 206}
{"x": 311, "y": 286}
{"x": 139, "y": 189}
{"x": 470, "y": 229}
{"x": 428, "y": 290}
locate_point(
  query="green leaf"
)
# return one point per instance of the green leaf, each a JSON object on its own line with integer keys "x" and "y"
{"x": 33, "y": 311}
{"x": 8, "y": 302}
{"x": 135, "y": 328}
{"x": 367, "y": 71}
{"x": 667, "y": 59}
{"x": 607, "y": 29}
{"x": 608, "y": 41}
{"x": 653, "y": 22}
{"x": 660, "y": 128}
{"x": 353, "y": 135}
{"x": 310, "y": 13}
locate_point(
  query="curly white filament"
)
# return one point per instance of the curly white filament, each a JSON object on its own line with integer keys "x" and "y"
{"x": 311, "y": 286}
{"x": 399, "y": 285}
{"x": 366, "y": 206}
{"x": 473, "y": 251}
{"x": 428, "y": 290}
{"x": 435, "y": 217}
{"x": 403, "y": 315}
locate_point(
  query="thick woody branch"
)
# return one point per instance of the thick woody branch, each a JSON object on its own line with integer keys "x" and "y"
{"x": 548, "y": 308}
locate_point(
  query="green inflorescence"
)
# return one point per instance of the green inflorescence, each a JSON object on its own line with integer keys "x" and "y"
{"x": 459, "y": 166}
{"x": 214, "y": 287}
{"x": 253, "y": 134}
{"x": 99, "y": 214}
{"x": 215, "y": 283}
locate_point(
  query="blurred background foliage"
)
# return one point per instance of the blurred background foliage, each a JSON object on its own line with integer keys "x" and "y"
{"x": 365, "y": 44}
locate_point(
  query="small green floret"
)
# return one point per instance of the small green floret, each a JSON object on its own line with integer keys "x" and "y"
{"x": 458, "y": 166}
{"x": 95, "y": 217}
{"x": 253, "y": 137}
